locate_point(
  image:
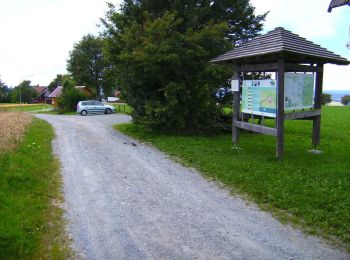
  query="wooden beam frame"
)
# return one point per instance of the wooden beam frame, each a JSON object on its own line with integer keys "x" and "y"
{"x": 256, "y": 128}
{"x": 268, "y": 67}
{"x": 236, "y": 107}
{"x": 302, "y": 114}
{"x": 316, "y": 126}
{"x": 280, "y": 68}
{"x": 292, "y": 67}
{"x": 273, "y": 67}
{"x": 280, "y": 109}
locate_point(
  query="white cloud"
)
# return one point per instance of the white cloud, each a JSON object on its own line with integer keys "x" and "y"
{"x": 36, "y": 36}
{"x": 336, "y": 77}
{"x": 307, "y": 18}
{"x": 311, "y": 20}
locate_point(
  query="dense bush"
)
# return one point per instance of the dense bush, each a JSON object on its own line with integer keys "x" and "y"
{"x": 70, "y": 96}
{"x": 326, "y": 98}
{"x": 345, "y": 100}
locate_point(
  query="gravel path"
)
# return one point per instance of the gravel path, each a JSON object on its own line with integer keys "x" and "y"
{"x": 126, "y": 200}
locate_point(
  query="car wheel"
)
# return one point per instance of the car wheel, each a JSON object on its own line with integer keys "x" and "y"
{"x": 83, "y": 113}
{"x": 108, "y": 111}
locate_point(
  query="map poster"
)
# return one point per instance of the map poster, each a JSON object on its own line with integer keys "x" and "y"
{"x": 259, "y": 97}
{"x": 298, "y": 91}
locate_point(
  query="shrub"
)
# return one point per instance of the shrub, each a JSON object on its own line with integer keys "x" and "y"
{"x": 70, "y": 96}
{"x": 345, "y": 100}
{"x": 326, "y": 98}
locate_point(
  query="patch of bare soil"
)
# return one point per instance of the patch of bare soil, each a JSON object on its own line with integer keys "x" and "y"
{"x": 12, "y": 129}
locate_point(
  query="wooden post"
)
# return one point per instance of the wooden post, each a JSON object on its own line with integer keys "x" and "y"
{"x": 280, "y": 109}
{"x": 316, "y": 126}
{"x": 236, "y": 108}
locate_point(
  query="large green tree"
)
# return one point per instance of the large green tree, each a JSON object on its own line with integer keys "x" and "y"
{"x": 160, "y": 51}
{"x": 88, "y": 66}
{"x": 58, "y": 81}
{"x": 23, "y": 93}
{"x": 70, "y": 96}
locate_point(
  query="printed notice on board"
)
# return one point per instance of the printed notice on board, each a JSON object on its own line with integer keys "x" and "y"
{"x": 235, "y": 85}
{"x": 259, "y": 97}
{"x": 298, "y": 91}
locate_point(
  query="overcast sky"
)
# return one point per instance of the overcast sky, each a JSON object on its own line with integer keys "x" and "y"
{"x": 36, "y": 35}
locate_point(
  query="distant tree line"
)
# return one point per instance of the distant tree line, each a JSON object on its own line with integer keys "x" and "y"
{"x": 23, "y": 93}
{"x": 345, "y": 100}
{"x": 327, "y": 98}
{"x": 5, "y": 93}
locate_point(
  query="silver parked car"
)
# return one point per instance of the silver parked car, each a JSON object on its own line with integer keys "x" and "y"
{"x": 93, "y": 106}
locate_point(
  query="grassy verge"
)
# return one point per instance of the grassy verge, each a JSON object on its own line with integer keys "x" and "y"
{"x": 54, "y": 112}
{"x": 122, "y": 108}
{"x": 30, "y": 218}
{"x": 306, "y": 189}
{"x": 24, "y": 107}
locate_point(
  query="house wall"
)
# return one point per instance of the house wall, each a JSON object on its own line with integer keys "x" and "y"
{"x": 54, "y": 102}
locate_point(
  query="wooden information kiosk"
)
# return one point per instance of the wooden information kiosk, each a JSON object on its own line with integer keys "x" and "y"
{"x": 280, "y": 52}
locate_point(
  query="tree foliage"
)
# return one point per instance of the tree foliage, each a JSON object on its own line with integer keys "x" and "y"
{"x": 5, "y": 93}
{"x": 88, "y": 66}
{"x": 160, "y": 51}
{"x": 23, "y": 93}
{"x": 70, "y": 96}
{"x": 326, "y": 98}
{"x": 58, "y": 81}
{"x": 345, "y": 100}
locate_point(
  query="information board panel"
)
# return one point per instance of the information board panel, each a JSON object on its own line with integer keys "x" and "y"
{"x": 259, "y": 97}
{"x": 299, "y": 91}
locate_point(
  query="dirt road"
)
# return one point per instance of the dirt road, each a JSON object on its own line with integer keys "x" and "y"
{"x": 127, "y": 201}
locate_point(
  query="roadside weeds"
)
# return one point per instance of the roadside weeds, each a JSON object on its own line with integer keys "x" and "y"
{"x": 31, "y": 216}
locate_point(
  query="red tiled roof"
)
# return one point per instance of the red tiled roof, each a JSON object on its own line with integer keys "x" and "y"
{"x": 57, "y": 92}
{"x": 39, "y": 89}
{"x": 117, "y": 93}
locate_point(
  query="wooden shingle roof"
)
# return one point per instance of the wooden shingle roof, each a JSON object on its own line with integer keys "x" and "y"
{"x": 281, "y": 42}
{"x": 56, "y": 93}
{"x": 39, "y": 90}
{"x": 337, "y": 3}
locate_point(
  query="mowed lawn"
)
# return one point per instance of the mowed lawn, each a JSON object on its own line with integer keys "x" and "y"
{"x": 30, "y": 219}
{"x": 306, "y": 189}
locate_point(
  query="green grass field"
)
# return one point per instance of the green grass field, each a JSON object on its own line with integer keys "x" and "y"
{"x": 312, "y": 191}
{"x": 24, "y": 108}
{"x": 30, "y": 220}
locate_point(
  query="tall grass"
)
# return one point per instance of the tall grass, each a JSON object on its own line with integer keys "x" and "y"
{"x": 307, "y": 189}
{"x": 30, "y": 223}
{"x": 12, "y": 129}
